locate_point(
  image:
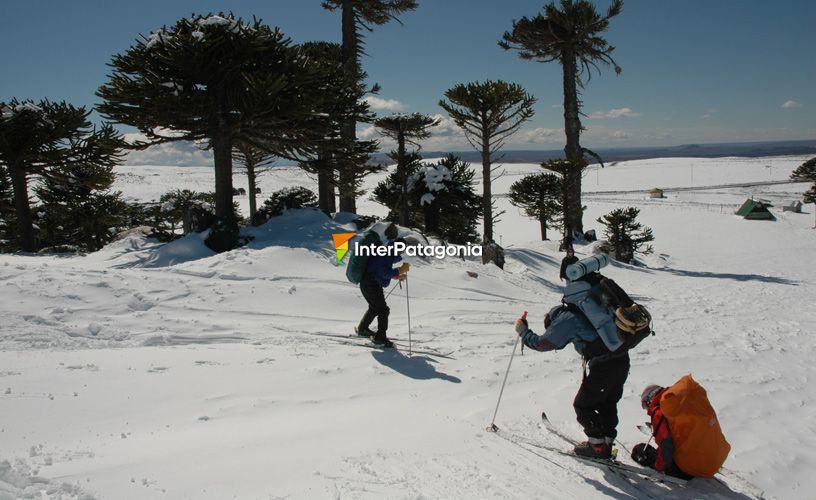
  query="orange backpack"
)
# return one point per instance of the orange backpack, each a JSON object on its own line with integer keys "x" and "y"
{"x": 700, "y": 447}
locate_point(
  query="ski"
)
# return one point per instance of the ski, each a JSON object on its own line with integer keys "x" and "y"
{"x": 355, "y": 336}
{"x": 608, "y": 462}
{"x": 555, "y": 431}
{"x": 615, "y": 466}
{"x": 371, "y": 345}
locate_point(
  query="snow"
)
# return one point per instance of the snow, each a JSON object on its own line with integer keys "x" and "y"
{"x": 426, "y": 199}
{"x": 166, "y": 371}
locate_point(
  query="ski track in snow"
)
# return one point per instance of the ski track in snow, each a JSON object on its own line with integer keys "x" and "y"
{"x": 143, "y": 371}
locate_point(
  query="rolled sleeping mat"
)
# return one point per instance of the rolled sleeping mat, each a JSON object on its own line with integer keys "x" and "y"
{"x": 586, "y": 266}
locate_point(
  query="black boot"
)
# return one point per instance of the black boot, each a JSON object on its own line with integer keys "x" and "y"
{"x": 592, "y": 449}
{"x": 364, "y": 332}
{"x": 381, "y": 340}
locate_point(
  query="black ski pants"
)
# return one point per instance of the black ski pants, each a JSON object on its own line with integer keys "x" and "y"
{"x": 596, "y": 404}
{"x": 377, "y": 308}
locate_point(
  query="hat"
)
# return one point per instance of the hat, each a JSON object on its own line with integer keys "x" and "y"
{"x": 648, "y": 393}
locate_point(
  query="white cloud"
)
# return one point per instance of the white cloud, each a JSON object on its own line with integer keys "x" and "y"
{"x": 179, "y": 153}
{"x": 791, "y": 105}
{"x": 710, "y": 112}
{"x": 613, "y": 113}
{"x": 620, "y": 135}
{"x": 367, "y": 133}
{"x": 379, "y": 104}
{"x": 539, "y": 135}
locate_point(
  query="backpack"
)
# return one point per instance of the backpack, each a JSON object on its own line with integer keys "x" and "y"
{"x": 700, "y": 448}
{"x": 632, "y": 320}
{"x": 357, "y": 264}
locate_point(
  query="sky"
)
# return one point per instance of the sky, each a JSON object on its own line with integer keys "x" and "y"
{"x": 694, "y": 71}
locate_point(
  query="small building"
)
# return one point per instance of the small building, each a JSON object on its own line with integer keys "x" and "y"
{"x": 755, "y": 210}
{"x": 656, "y": 193}
{"x": 794, "y": 206}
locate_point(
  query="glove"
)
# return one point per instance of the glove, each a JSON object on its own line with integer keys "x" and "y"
{"x": 521, "y": 327}
{"x": 404, "y": 268}
{"x": 400, "y": 277}
{"x": 644, "y": 454}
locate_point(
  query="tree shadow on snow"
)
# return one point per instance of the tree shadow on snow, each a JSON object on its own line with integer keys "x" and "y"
{"x": 415, "y": 367}
{"x": 731, "y": 276}
{"x": 707, "y": 274}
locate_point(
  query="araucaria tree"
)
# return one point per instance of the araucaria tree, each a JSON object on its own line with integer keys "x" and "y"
{"x": 47, "y": 139}
{"x": 405, "y": 130}
{"x": 77, "y": 208}
{"x": 625, "y": 235}
{"x": 359, "y": 16}
{"x": 572, "y": 36}
{"x": 254, "y": 162}
{"x": 806, "y": 172}
{"x": 539, "y": 195}
{"x": 336, "y": 152}
{"x": 488, "y": 113}
{"x": 441, "y": 199}
{"x": 220, "y": 80}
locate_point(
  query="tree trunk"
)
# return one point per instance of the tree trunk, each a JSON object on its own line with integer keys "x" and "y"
{"x": 543, "y": 223}
{"x": 573, "y": 213}
{"x": 28, "y": 242}
{"x": 431, "y": 217}
{"x": 224, "y": 235}
{"x": 332, "y": 193}
{"x": 323, "y": 191}
{"x": 350, "y": 54}
{"x": 222, "y": 152}
{"x": 403, "y": 177}
{"x": 251, "y": 183}
{"x": 487, "y": 194}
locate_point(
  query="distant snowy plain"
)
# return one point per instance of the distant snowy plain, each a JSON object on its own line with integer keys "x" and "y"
{"x": 146, "y": 371}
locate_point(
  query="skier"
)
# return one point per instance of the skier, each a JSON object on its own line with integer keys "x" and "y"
{"x": 569, "y": 259}
{"x": 689, "y": 440}
{"x": 379, "y": 273}
{"x": 605, "y": 370}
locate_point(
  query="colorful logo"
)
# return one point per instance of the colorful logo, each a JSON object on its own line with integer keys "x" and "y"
{"x": 341, "y": 244}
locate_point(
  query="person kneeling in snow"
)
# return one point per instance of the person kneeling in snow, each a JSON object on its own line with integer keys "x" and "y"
{"x": 605, "y": 369}
{"x": 379, "y": 273}
{"x": 689, "y": 440}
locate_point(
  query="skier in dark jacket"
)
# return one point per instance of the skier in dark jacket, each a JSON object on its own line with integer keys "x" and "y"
{"x": 569, "y": 259}
{"x": 606, "y": 362}
{"x": 379, "y": 273}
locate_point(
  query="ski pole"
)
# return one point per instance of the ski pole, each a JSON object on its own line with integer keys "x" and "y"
{"x": 408, "y": 307}
{"x": 393, "y": 288}
{"x": 492, "y": 427}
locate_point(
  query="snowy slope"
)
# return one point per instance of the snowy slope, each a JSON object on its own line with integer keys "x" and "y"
{"x": 149, "y": 371}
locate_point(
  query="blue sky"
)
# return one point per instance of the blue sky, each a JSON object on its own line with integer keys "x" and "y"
{"x": 694, "y": 71}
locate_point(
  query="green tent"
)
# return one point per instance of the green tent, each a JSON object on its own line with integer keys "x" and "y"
{"x": 756, "y": 210}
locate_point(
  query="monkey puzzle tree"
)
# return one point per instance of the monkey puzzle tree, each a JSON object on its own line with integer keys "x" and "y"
{"x": 45, "y": 139}
{"x": 359, "y": 16}
{"x": 220, "y": 80}
{"x": 539, "y": 195}
{"x": 405, "y": 129}
{"x": 254, "y": 162}
{"x": 625, "y": 235}
{"x": 336, "y": 152}
{"x": 570, "y": 35}
{"x": 488, "y": 113}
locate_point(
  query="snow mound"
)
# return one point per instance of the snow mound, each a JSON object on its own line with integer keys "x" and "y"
{"x": 18, "y": 481}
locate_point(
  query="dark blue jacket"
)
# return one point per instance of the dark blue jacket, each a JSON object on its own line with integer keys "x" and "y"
{"x": 382, "y": 268}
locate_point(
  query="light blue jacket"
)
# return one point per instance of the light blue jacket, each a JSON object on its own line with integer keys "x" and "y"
{"x": 580, "y": 329}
